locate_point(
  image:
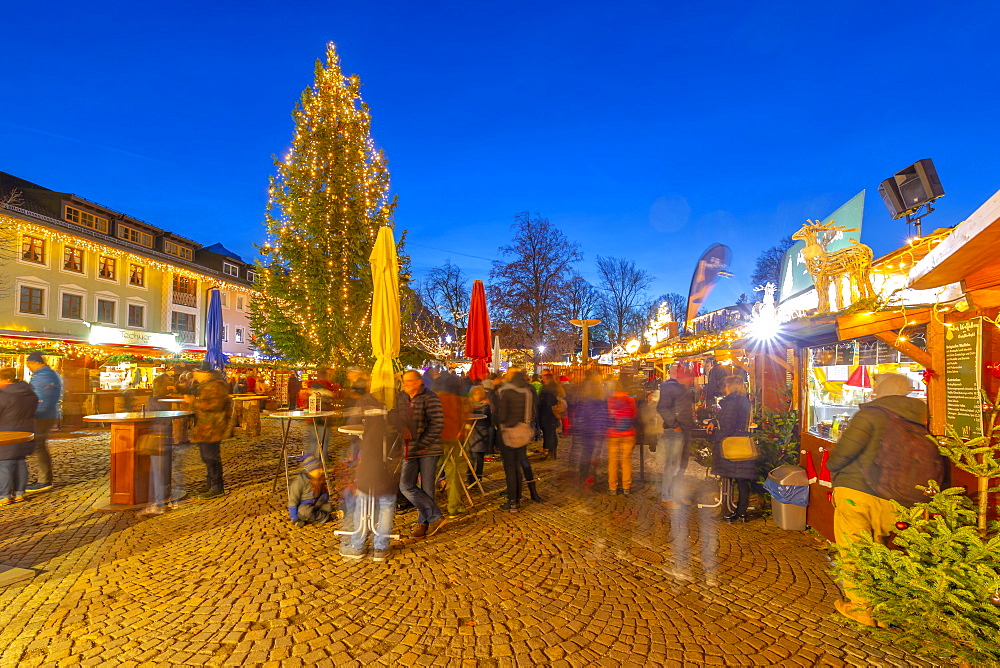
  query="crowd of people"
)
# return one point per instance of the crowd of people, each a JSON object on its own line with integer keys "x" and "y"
{"x": 398, "y": 456}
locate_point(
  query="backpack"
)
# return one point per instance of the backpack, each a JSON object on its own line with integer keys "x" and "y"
{"x": 907, "y": 458}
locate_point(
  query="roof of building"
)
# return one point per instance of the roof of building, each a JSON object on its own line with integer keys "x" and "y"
{"x": 219, "y": 249}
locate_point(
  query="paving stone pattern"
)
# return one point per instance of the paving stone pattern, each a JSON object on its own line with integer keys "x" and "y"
{"x": 583, "y": 579}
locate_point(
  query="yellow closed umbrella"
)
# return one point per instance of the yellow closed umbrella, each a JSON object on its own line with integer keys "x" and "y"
{"x": 385, "y": 316}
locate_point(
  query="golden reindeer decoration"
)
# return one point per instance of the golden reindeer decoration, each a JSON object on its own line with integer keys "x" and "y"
{"x": 828, "y": 267}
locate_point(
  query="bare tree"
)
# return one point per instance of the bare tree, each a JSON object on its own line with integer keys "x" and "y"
{"x": 424, "y": 329}
{"x": 623, "y": 299}
{"x": 530, "y": 288}
{"x": 768, "y": 266}
{"x": 446, "y": 289}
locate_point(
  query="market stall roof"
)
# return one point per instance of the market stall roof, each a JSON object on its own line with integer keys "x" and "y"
{"x": 970, "y": 247}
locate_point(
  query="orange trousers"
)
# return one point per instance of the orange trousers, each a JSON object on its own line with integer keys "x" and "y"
{"x": 620, "y": 457}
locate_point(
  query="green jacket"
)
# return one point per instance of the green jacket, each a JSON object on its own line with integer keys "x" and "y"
{"x": 859, "y": 444}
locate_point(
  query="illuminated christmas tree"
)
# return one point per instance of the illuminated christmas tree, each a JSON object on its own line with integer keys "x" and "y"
{"x": 327, "y": 202}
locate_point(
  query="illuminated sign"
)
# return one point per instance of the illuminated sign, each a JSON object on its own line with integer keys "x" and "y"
{"x": 113, "y": 336}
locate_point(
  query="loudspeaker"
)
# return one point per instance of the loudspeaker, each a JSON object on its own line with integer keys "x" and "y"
{"x": 919, "y": 184}
{"x": 891, "y": 197}
{"x": 911, "y": 188}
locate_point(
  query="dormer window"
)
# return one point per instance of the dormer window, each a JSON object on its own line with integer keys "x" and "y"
{"x": 134, "y": 235}
{"x": 230, "y": 269}
{"x": 80, "y": 217}
{"x": 183, "y": 252}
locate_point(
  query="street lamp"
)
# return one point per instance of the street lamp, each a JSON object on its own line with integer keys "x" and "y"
{"x": 585, "y": 324}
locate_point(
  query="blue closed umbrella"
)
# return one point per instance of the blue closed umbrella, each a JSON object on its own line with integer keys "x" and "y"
{"x": 213, "y": 333}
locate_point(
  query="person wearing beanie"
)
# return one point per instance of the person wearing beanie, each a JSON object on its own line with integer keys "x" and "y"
{"x": 308, "y": 496}
{"x": 49, "y": 387}
{"x": 857, "y": 508}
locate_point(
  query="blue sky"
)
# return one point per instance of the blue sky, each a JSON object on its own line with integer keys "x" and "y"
{"x": 646, "y": 130}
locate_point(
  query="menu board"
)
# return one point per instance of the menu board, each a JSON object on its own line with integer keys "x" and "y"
{"x": 963, "y": 379}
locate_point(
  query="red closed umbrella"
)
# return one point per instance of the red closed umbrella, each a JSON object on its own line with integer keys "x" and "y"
{"x": 478, "y": 335}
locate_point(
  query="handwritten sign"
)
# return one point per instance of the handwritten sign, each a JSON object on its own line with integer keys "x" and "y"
{"x": 963, "y": 378}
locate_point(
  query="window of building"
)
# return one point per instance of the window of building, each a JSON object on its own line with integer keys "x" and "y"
{"x": 183, "y": 252}
{"x": 185, "y": 285}
{"x": 33, "y": 249}
{"x": 106, "y": 311}
{"x": 230, "y": 269}
{"x": 136, "y": 315}
{"x": 32, "y": 300}
{"x": 73, "y": 259}
{"x": 181, "y": 322}
{"x": 251, "y": 276}
{"x": 134, "y": 235}
{"x": 239, "y": 302}
{"x": 86, "y": 219}
{"x": 137, "y": 275}
{"x": 239, "y": 335}
{"x": 225, "y": 332}
{"x": 107, "y": 268}
{"x": 72, "y": 306}
{"x": 224, "y": 299}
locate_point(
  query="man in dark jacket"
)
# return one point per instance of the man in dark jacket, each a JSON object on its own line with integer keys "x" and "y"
{"x": 48, "y": 387}
{"x": 422, "y": 418}
{"x": 17, "y": 413}
{"x": 857, "y": 509}
{"x": 674, "y": 406}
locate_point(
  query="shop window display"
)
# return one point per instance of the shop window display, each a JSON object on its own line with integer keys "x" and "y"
{"x": 841, "y": 377}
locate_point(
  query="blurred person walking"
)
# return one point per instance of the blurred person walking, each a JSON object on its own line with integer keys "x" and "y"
{"x": 448, "y": 388}
{"x": 551, "y": 407}
{"x": 18, "y": 403}
{"x": 48, "y": 387}
{"x": 733, "y": 419}
{"x": 590, "y": 423}
{"x": 621, "y": 439}
{"x": 480, "y": 442}
{"x": 422, "y": 419}
{"x": 515, "y": 418}
{"x": 677, "y": 413}
{"x": 212, "y": 411}
{"x": 376, "y": 482}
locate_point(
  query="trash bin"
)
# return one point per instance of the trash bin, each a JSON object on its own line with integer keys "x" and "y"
{"x": 789, "y": 488}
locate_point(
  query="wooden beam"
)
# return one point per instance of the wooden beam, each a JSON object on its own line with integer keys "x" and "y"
{"x": 856, "y": 325}
{"x": 936, "y": 399}
{"x": 782, "y": 362}
{"x": 919, "y": 356}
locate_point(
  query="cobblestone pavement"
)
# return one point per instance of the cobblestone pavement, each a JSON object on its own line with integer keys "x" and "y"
{"x": 583, "y": 579}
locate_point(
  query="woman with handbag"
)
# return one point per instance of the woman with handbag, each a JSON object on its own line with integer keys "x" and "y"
{"x": 515, "y": 417}
{"x": 733, "y": 422}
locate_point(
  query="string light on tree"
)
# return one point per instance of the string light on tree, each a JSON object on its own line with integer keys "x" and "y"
{"x": 327, "y": 202}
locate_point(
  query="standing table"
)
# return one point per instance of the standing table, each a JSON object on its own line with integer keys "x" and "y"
{"x": 246, "y": 409}
{"x": 471, "y": 426}
{"x": 286, "y": 418}
{"x": 129, "y": 469}
{"x": 179, "y": 427}
{"x": 12, "y": 574}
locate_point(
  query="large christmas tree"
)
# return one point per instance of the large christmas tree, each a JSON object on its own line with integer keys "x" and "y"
{"x": 939, "y": 589}
{"x": 327, "y": 202}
